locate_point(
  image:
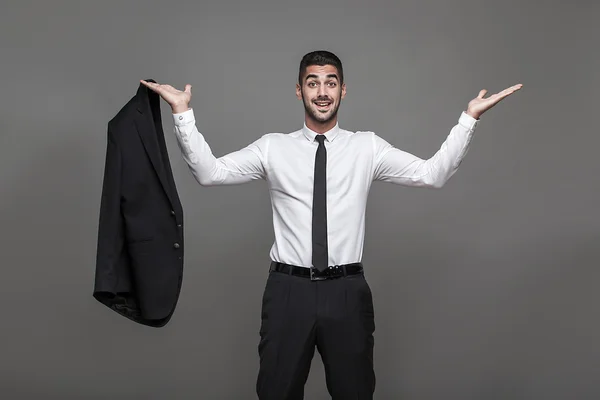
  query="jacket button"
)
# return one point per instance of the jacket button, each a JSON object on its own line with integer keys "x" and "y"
{"x": 176, "y": 245}
{"x": 172, "y": 212}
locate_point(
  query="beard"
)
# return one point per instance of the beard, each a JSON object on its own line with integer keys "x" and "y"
{"x": 315, "y": 114}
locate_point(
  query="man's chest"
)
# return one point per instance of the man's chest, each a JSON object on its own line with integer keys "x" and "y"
{"x": 291, "y": 168}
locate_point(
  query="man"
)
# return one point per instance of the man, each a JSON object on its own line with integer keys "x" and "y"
{"x": 319, "y": 178}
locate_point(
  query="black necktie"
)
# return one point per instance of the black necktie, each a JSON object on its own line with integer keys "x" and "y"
{"x": 319, "y": 220}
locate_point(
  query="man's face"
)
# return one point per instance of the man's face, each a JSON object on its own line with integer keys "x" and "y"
{"x": 321, "y": 92}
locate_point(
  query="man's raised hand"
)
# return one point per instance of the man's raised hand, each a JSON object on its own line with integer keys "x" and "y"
{"x": 479, "y": 105}
{"x": 177, "y": 99}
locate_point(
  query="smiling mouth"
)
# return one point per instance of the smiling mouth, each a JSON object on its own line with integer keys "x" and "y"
{"x": 323, "y": 104}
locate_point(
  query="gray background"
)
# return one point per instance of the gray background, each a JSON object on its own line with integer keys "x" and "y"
{"x": 485, "y": 289}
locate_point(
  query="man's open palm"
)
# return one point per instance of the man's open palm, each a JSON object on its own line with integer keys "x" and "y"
{"x": 171, "y": 95}
{"x": 479, "y": 105}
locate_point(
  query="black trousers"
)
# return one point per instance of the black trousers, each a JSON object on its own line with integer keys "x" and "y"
{"x": 336, "y": 317}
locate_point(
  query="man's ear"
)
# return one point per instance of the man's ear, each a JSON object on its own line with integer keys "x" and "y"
{"x": 298, "y": 91}
{"x": 343, "y": 90}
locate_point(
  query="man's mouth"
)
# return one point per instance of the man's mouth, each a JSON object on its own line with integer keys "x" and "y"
{"x": 323, "y": 104}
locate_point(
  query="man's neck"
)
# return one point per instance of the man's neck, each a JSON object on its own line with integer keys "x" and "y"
{"x": 319, "y": 127}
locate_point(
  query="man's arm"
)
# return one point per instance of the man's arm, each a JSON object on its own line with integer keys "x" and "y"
{"x": 241, "y": 166}
{"x": 396, "y": 166}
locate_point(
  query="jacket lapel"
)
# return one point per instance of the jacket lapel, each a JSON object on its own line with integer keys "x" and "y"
{"x": 145, "y": 122}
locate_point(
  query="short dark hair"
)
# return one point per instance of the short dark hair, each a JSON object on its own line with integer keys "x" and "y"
{"x": 320, "y": 57}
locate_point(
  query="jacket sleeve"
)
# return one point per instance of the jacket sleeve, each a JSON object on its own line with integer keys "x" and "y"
{"x": 110, "y": 227}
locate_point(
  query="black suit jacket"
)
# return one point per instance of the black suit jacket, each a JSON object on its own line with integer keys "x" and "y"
{"x": 139, "y": 261}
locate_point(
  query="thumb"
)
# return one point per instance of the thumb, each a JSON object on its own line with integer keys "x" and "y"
{"x": 188, "y": 88}
{"x": 482, "y": 93}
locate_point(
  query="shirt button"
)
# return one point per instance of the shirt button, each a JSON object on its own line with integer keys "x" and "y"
{"x": 176, "y": 245}
{"x": 180, "y": 117}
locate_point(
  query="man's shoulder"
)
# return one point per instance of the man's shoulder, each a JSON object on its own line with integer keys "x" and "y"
{"x": 281, "y": 135}
{"x": 284, "y": 136}
{"x": 270, "y": 139}
{"x": 359, "y": 133}
{"x": 359, "y": 137}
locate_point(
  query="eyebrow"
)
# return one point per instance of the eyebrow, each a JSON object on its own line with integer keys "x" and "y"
{"x": 316, "y": 77}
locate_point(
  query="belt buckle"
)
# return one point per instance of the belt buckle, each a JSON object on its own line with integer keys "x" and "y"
{"x": 314, "y": 277}
{"x": 330, "y": 272}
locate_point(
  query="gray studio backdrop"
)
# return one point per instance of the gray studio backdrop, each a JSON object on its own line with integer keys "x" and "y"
{"x": 486, "y": 289}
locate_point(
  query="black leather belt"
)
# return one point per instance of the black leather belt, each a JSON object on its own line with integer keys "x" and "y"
{"x": 336, "y": 271}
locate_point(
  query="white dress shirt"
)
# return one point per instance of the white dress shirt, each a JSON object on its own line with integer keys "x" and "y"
{"x": 286, "y": 162}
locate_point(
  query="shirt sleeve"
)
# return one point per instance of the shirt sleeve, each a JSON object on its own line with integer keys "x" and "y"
{"x": 399, "y": 167}
{"x": 241, "y": 166}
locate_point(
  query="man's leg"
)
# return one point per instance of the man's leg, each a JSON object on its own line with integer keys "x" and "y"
{"x": 287, "y": 332}
{"x": 345, "y": 337}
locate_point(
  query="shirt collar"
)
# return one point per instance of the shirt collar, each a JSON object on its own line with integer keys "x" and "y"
{"x": 330, "y": 135}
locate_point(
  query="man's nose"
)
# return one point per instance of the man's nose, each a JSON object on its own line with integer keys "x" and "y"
{"x": 322, "y": 91}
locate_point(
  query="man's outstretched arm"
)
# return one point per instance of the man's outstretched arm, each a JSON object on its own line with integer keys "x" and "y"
{"x": 399, "y": 167}
{"x": 241, "y": 166}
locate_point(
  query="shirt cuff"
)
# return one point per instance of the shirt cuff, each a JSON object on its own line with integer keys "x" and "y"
{"x": 467, "y": 121}
{"x": 184, "y": 118}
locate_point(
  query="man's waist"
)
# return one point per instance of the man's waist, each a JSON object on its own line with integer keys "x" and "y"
{"x": 333, "y": 271}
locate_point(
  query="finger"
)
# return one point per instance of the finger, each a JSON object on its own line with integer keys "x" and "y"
{"x": 498, "y": 97}
{"x": 511, "y": 89}
{"x": 507, "y": 92}
{"x": 482, "y": 93}
{"x": 148, "y": 84}
{"x": 153, "y": 86}
{"x": 188, "y": 88}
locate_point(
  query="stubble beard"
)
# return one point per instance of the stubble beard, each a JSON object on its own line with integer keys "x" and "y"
{"x": 315, "y": 115}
